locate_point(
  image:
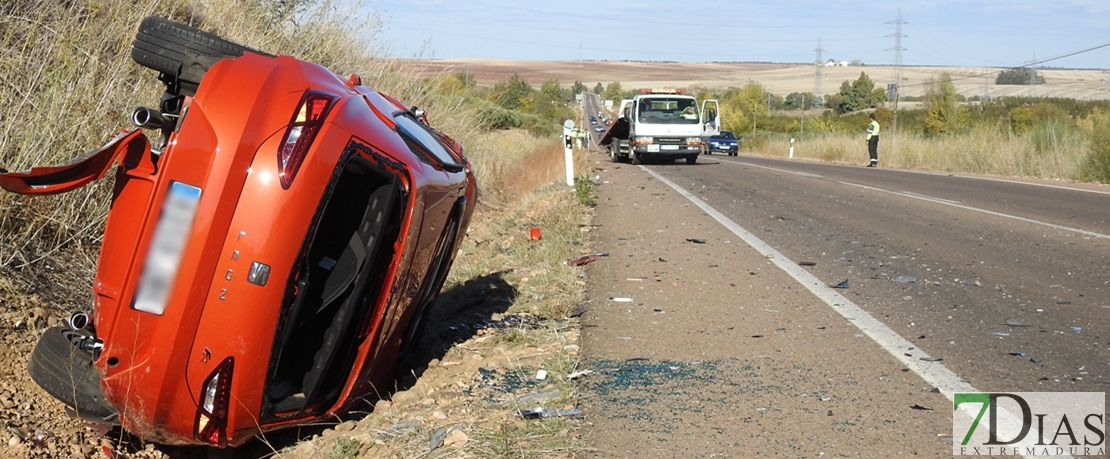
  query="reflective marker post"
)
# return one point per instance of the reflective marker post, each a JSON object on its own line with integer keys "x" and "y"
{"x": 791, "y": 147}
{"x": 567, "y": 127}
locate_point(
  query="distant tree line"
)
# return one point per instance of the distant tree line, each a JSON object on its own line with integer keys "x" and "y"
{"x": 1020, "y": 75}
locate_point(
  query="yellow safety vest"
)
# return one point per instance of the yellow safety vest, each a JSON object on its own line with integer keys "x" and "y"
{"x": 872, "y": 129}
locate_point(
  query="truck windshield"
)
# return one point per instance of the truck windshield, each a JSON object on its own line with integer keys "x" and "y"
{"x": 667, "y": 110}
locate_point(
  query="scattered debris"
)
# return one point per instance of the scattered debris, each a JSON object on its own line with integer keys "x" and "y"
{"x": 509, "y": 321}
{"x": 1019, "y": 354}
{"x": 919, "y": 407}
{"x": 841, "y": 284}
{"x": 579, "y": 374}
{"x": 931, "y": 359}
{"x": 435, "y": 440}
{"x": 534, "y": 234}
{"x": 620, "y": 299}
{"x": 578, "y": 311}
{"x": 662, "y": 260}
{"x": 807, "y": 263}
{"x": 540, "y": 397}
{"x": 637, "y": 359}
{"x": 583, "y": 260}
{"x": 539, "y": 412}
{"x": 696, "y": 240}
{"x": 1076, "y": 329}
{"x": 1014, "y": 323}
{"x": 905, "y": 279}
{"x": 399, "y": 428}
{"x": 541, "y": 375}
{"x": 438, "y": 436}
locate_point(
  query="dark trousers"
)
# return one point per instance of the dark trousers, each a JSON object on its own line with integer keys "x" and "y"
{"x": 873, "y": 148}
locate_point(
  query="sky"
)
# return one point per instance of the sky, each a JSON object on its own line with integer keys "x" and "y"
{"x": 979, "y": 33}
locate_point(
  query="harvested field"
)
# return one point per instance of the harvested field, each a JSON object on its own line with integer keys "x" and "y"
{"x": 778, "y": 78}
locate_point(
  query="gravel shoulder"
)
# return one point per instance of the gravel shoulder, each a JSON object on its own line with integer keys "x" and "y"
{"x": 720, "y": 354}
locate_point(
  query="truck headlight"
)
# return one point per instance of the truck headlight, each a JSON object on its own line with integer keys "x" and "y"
{"x": 644, "y": 140}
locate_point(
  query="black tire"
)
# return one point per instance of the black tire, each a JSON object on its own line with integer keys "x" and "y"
{"x": 692, "y": 159}
{"x": 181, "y": 53}
{"x": 67, "y": 373}
{"x": 636, "y": 159}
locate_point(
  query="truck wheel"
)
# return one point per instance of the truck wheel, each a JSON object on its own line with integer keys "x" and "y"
{"x": 692, "y": 159}
{"x": 636, "y": 159}
{"x": 614, "y": 156}
{"x": 67, "y": 373}
{"x": 181, "y": 53}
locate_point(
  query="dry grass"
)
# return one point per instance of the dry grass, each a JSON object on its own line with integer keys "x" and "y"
{"x": 1051, "y": 151}
{"x": 68, "y": 84}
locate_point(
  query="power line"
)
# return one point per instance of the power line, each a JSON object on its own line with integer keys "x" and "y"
{"x": 1029, "y": 65}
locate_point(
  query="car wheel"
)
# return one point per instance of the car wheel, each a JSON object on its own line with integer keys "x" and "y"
{"x": 692, "y": 159}
{"x": 181, "y": 53}
{"x": 66, "y": 372}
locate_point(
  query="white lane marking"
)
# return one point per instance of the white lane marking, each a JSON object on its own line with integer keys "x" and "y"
{"x": 924, "y": 365}
{"x": 942, "y": 201}
{"x": 944, "y": 174}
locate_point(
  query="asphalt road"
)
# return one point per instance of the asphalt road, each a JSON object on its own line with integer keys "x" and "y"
{"x": 996, "y": 284}
{"x": 981, "y": 252}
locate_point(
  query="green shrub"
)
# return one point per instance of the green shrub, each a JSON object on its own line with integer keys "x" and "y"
{"x": 1097, "y": 167}
{"x": 584, "y": 190}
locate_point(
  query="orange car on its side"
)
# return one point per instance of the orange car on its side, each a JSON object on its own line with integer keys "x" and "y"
{"x": 267, "y": 262}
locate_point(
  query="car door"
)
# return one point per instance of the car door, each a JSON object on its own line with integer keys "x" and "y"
{"x": 711, "y": 118}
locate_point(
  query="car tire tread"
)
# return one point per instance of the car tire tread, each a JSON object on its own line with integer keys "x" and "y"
{"x": 68, "y": 374}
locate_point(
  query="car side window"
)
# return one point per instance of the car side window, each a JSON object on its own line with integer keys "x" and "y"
{"x": 424, "y": 143}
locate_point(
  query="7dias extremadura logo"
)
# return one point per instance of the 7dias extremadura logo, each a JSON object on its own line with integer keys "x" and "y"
{"x": 1029, "y": 424}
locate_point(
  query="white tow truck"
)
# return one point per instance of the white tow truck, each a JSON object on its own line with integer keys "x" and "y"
{"x": 662, "y": 125}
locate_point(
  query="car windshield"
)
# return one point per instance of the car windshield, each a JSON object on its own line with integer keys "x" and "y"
{"x": 422, "y": 141}
{"x": 726, "y": 135}
{"x": 667, "y": 110}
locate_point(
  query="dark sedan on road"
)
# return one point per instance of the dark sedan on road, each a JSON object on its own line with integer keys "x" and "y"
{"x": 724, "y": 142}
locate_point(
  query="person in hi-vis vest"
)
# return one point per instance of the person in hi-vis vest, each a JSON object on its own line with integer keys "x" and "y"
{"x": 873, "y": 141}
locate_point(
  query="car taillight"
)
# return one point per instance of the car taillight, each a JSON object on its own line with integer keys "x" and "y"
{"x": 301, "y": 132}
{"x": 211, "y": 421}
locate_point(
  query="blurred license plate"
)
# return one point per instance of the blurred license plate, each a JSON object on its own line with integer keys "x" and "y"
{"x": 669, "y": 147}
{"x": 171, "y": 233}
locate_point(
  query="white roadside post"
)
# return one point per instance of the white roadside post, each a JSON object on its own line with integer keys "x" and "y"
{"x": 568, "y": 152}
{"x": 791, "y": 147}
